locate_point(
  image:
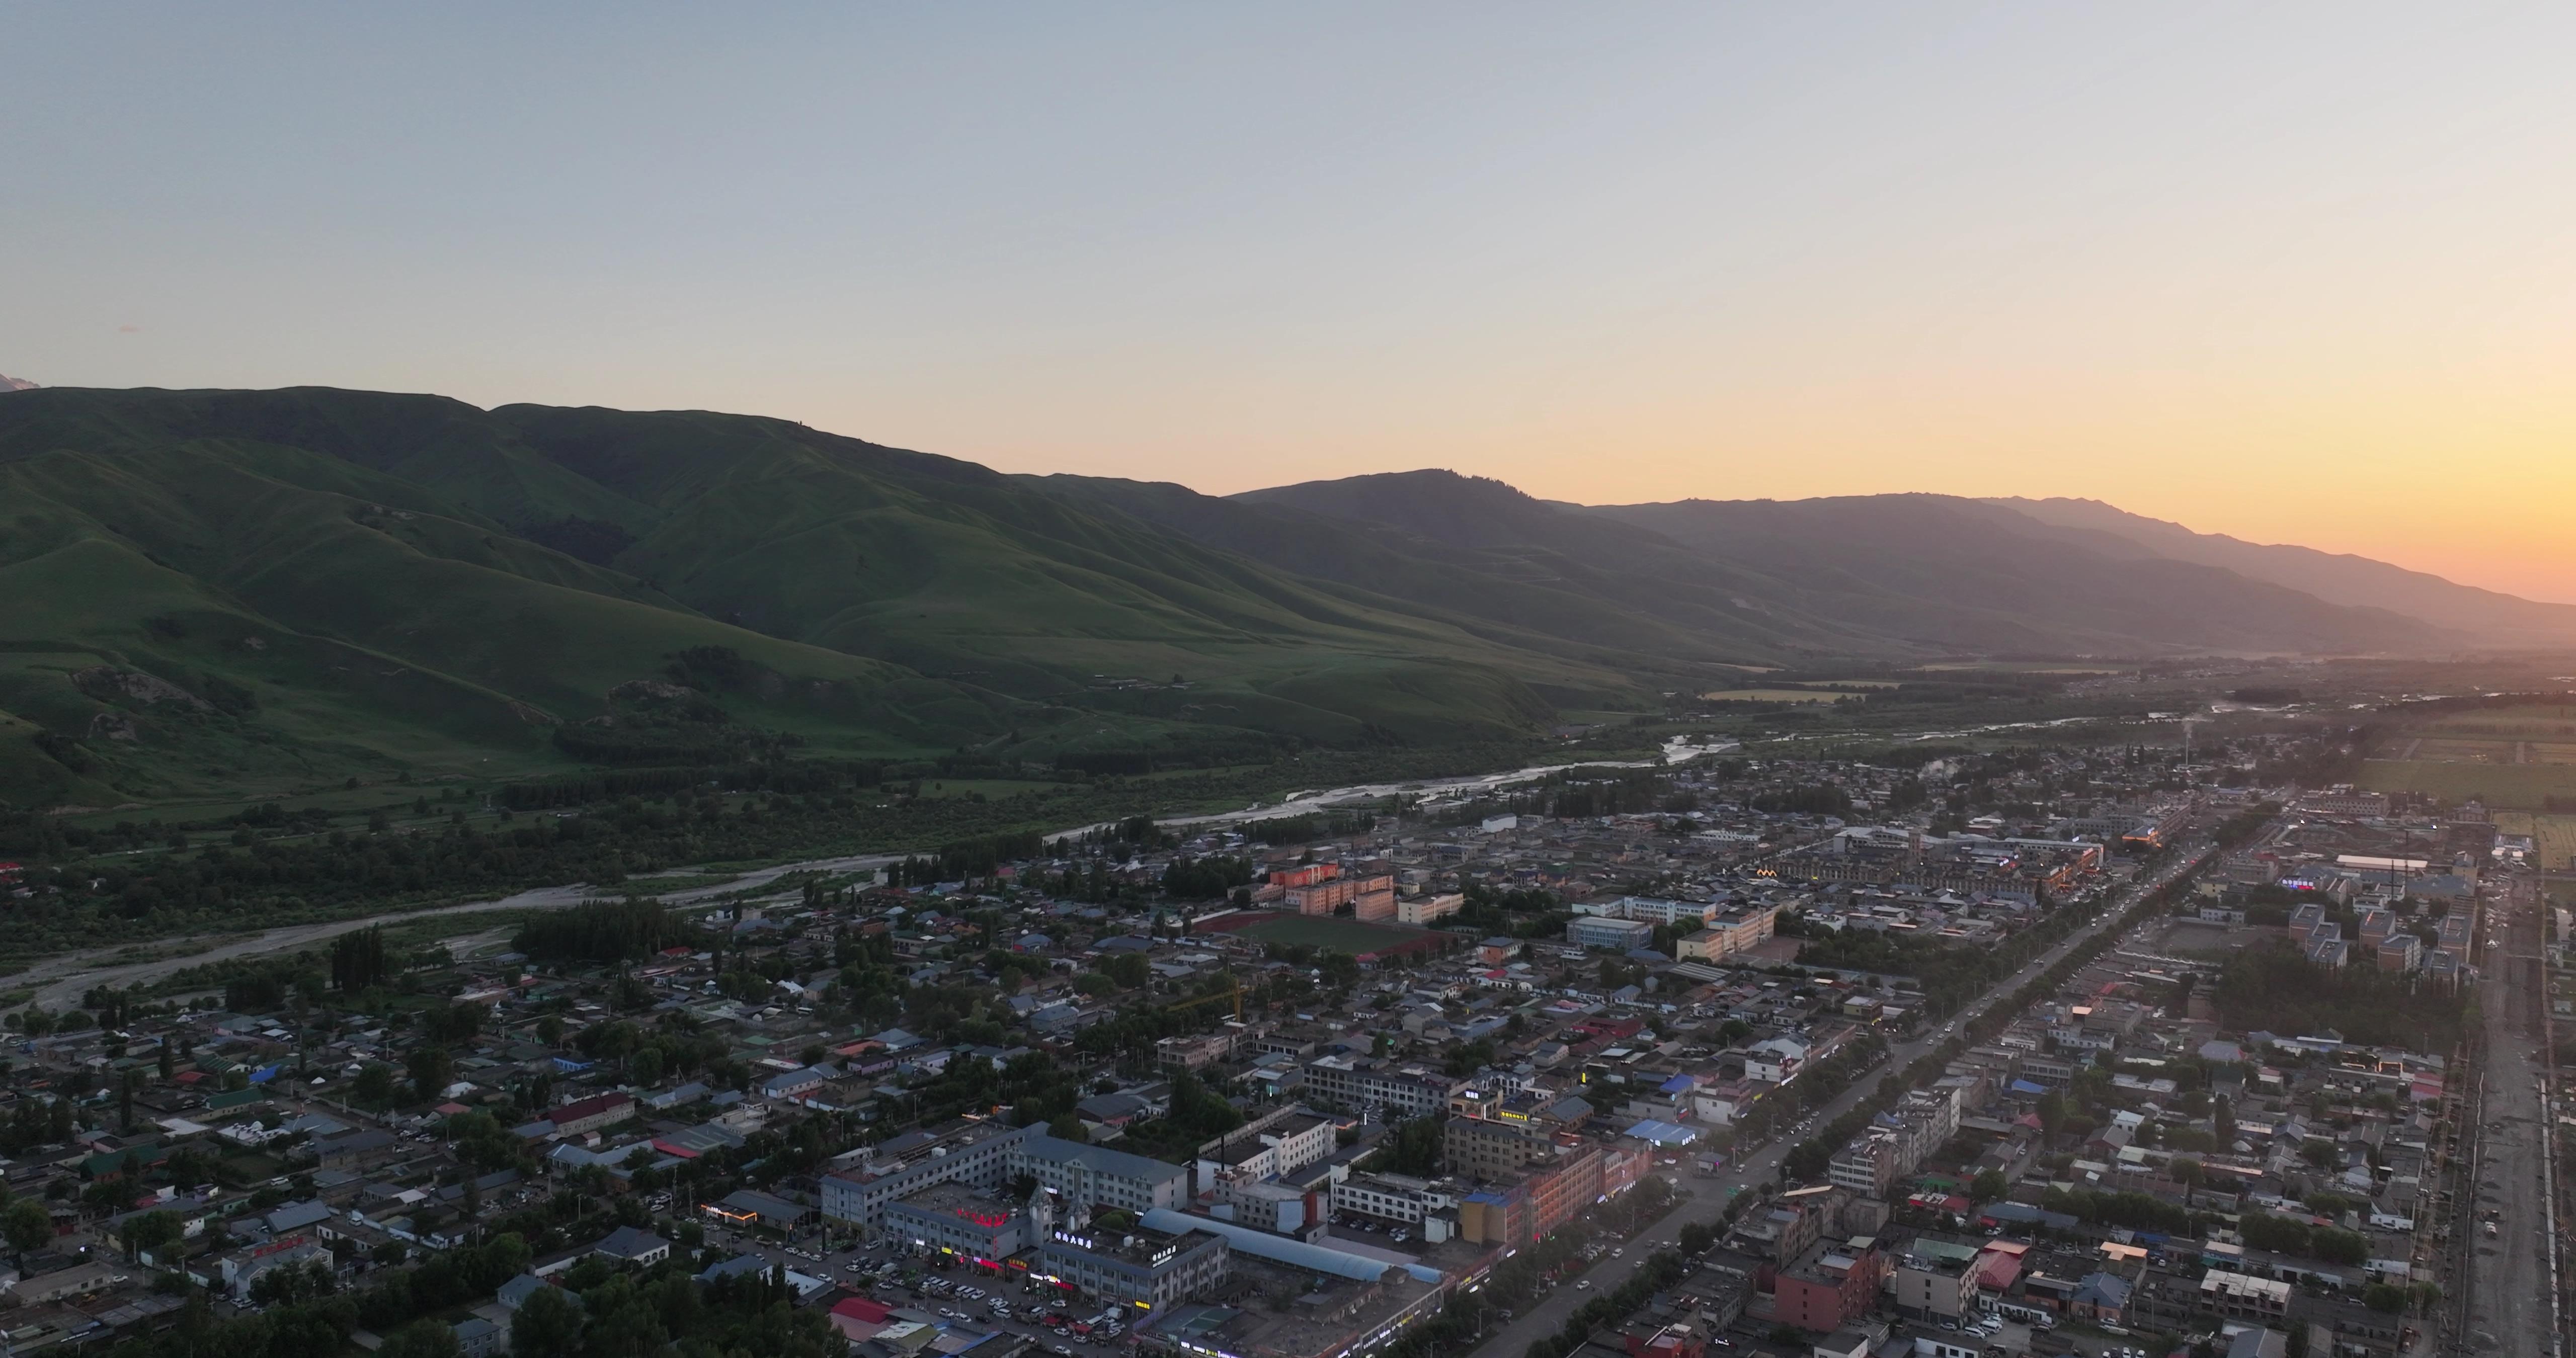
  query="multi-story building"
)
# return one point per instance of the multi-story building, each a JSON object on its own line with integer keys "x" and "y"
{"x": 1390, "y": 1197}
{"x": 1096, "y": 1176}
{"x": 1829, "y": 1290}
{"x": 1867, "y": 1166}
{"x": 1281, "y": 1146}
{"x": 1935, "y": 1281}
{"x": 1488, "y": 1148}
{"x": 955, "y": 1219}
{"x": 1730, "y": 931}
{"x": 971, "y": 1153}
{"x": 1137, "y": 1268}
{"x": 1357, "y": 1083}
{"x": 1428, "y": 909}
{"x": 1597, "y": 931}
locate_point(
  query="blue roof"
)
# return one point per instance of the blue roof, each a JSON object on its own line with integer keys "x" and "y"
{"x": 1680, "y": 1084}
{"x": 1663, "y": 1133}
{"x": 2026, "y": 1087}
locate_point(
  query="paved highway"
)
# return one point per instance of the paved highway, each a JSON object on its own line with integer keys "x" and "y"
{"x": 2507, "y": 1302}
{"x": 1711, "y": 1194}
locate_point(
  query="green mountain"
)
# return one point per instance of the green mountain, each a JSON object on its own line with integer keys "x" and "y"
{"x": 202, "y": 590}
{"x": 206, "y": 593}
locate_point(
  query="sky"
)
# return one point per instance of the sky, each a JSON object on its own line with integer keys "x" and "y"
{"x": 2296, "y": 272}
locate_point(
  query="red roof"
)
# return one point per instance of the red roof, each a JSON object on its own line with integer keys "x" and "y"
{"x": 582, "y": 1108}
{"x": 863, "y": 1309}
{"x": 1997, "y": 1270}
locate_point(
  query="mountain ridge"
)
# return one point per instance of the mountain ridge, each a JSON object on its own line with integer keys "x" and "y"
{"x": 346, "y": 582}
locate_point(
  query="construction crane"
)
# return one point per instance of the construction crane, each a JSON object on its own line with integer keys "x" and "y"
{"x": 1233, "y": 991}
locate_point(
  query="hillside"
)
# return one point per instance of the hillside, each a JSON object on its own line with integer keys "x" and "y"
{"x": 2335, "y": 577}
{"x": 1917, "y": 574}
{"x": 214, "y": 592}
{"x": 315, "y": 583}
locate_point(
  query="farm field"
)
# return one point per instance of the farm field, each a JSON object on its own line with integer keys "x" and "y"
{"x": 2535, "y": 722}
{"x": 2521, "y": 787}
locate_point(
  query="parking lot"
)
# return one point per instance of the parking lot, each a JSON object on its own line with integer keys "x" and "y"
{"x": 960, "y": 1294}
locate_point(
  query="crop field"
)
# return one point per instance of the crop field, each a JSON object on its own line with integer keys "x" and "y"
{"x": 2502, "y": 785}
{"x": 2535, "y": 722}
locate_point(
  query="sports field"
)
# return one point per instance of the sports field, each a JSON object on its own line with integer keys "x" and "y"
{"x": 1331, "y": 934}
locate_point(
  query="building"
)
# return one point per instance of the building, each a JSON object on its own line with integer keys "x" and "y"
{"x": 2400, "y": 952}
{"x": 1935, "y": 1281}
{"x": 1600, "y": 931}
{"x": 745, "y": 1208}
{"x": 1867, "y": 1166}
{"x": 478, "y": 1338}
{"x": 1730, "y": 931}
{"x": 1282, "y": 1146}
{"x": 1138, "y": 1268}
{"x": 591, "y": 1114}
{"x": 1833, "y": 1288}
{"x": 1429, "y": 909}
{"x": 972, "y": 1153}
{"x": 1095, "y": 1176}
{"x": 633, "y": 1245}
{"x": 1488, "y": 1148}
{"x": 1390, "y": 1197}
{"x": 955, "y": 1219}
{"x": 1359, "y": 1084}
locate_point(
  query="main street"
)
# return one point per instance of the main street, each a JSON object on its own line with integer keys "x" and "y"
{"x": 1710, "y": 1194}
{"x": 2505, "y": 1298}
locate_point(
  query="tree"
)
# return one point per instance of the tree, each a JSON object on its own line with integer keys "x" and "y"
{"x": 146, "y": 1232}
{"x": 547, "y": 1325}
{"x": 2186, "y": 1173}
{"x": 375, "y": 1085}
{"x": 1989, "y": 1186}
{"x": 430, "y": 1071}
{"x": 422, "y": 1338}
{"x": 27, "y": 1224}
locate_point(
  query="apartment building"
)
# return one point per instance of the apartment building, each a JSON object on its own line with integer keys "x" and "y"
{"x": 1097, "y": 1176}
{"x": 975, "y": 1154}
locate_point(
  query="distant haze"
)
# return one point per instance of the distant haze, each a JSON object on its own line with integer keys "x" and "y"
{"x": 2294, "y": 273}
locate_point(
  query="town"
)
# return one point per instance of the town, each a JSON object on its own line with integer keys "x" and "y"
{"x": 2111, "y": 1051}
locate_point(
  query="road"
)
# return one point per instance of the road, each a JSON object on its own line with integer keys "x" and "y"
{"x": 2507, "y": 1303}
{"x": 1710, "y": 1194}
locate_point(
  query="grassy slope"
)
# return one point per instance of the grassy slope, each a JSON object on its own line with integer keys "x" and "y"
{"x": 355, "y": 561}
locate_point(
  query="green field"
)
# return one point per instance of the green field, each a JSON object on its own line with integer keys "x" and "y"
{"x": 1330, "y": 934}
{"x": 2517, "y": 786}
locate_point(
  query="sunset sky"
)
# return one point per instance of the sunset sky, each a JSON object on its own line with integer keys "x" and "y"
{"x": 2294, "y": 272}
